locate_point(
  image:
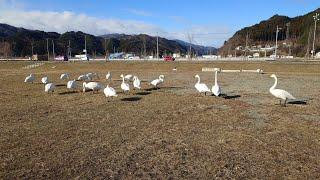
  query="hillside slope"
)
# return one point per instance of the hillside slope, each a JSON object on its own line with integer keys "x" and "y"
{"x": 263, "y": 34}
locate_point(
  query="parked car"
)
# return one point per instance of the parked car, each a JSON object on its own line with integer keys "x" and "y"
{"x": 168, "y": 58}
{"x": 61, "y": 58}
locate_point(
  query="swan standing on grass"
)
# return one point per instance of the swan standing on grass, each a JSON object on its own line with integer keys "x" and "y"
{"x": 94, "y": 86}
{"x": 124, "y": 86}
{"x": 45, "y": 80}
{"x": 108, "y": 76}
{"x": 72, "y": 84}
{"x": 110, "y": 92}
{"x": 216, "y": 90}
{"x": 201, "y": 87}
{"x": 158, "y": 81}
{"x": 279, "y": 93}
{"x": 136, "y": 82}
{"x": 64, "y": 76}
{"x": 30, "y": 79}
{"x": 49, "y": 87}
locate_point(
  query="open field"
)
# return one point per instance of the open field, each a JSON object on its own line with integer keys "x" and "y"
{"x": 173, "y": 132}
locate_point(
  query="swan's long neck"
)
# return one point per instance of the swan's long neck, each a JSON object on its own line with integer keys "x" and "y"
{"x": 122, "y": 79}
{"x": 275, "y": 83}
{"x": 198, "y": 80}
{"x": 216, "y": 78}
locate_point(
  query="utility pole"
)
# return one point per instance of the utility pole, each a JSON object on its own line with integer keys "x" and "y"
{"x": 85, "y": 45}
{"x": 157, "y": 46}
{"x": 308, "y": 47}
{"x": 48, "y": 49}
{"x": 288, "y": 37}
{"x": 53, "y": 49}
{"x": 245, "y": 49}
{"x": 69, "y": 50}
{"x": 316, "y": 19}
{"x": 277, "y": 34}
{"x": 32, "y": 42}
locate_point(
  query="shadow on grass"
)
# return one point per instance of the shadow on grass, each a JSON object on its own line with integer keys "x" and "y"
{"x": 60, "y": 85}
{"x": 131, "y": 99}
{"x": 68, "y": 92}
{"x": 298, "y": 102}
{"x": 225, "y": 96}
{"x": 164, "y": 88}
{"x": 143, "y": 93}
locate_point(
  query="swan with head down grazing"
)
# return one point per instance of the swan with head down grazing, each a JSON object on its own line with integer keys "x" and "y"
{"x": 201, "y": 87}
{"x": 94, "y": 86}
{"x": 155, "y": 83}
{"x": 45, "y": 80}
{"x": 49, "y": 87}
{"x": 30, "y": 79}
{"x": 279, "y": 93}
{"x": 128, "y": 77}
{"x": 64, "y": 76}
{"x": 110, "y": 92}
{"x": 72, "y": 84}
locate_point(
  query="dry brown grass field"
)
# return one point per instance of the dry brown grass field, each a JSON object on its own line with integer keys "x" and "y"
{"x": 169, "y": 133}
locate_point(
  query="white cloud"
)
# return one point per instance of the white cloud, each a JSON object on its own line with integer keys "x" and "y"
{"x": 12, "y": 13}
{"x": 66, "y": 21}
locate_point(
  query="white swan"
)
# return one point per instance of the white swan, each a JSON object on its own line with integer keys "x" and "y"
{"x": 124, "y": 86}
{"x": 108, "y": 76}
{"x": 216, "y": 90}
{"x": 30, "y": 79}
{"x": 94, "y": 86}
{"x": 64, "y": 76}
{"x": 49, "y": 87}
{"x": 110, "y": 92}
{"x": 128, "y": 77}
{"x": 45, "y": 80}
{"x": 92, "y": 75}
{"x": 72, "y": 84}
{"x": 158, "y": 81}
{"x": 201, "y": 87}
{"x": 83, "y": 78}
{"x": 279, "y": 93}
{"x": 136, "y": 82}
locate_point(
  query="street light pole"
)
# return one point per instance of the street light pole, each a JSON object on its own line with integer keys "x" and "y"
{"x": 157, "y": 46}
{"x": 278, "y": 30}
{"x": 316, "y": 18}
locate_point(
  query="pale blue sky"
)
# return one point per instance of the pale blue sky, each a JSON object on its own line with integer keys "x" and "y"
{"x": 211, "y": 22}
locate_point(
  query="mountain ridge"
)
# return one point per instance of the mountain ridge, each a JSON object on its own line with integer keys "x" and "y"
{"x": 17, "y": 41}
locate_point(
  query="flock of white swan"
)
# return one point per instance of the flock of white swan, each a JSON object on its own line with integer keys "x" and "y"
{"x": 136, "y": 83}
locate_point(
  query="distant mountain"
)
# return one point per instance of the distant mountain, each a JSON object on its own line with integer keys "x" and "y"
{"x": 19, "y": 42}
{"x": 199, "y": 49}
{"x": 263, "y": 34}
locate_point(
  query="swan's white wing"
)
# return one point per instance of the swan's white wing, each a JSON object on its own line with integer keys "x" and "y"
{"x": 125, "y": 87}
{"x": 282, "y": 94}
{"x": 204, "y": 87}
{"x": 216, "y": 90}
{"x": 155, "y": 82}
{"x": 137, "y": 83}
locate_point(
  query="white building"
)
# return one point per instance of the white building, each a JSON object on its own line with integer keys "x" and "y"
{"x": 256, "y": 55}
